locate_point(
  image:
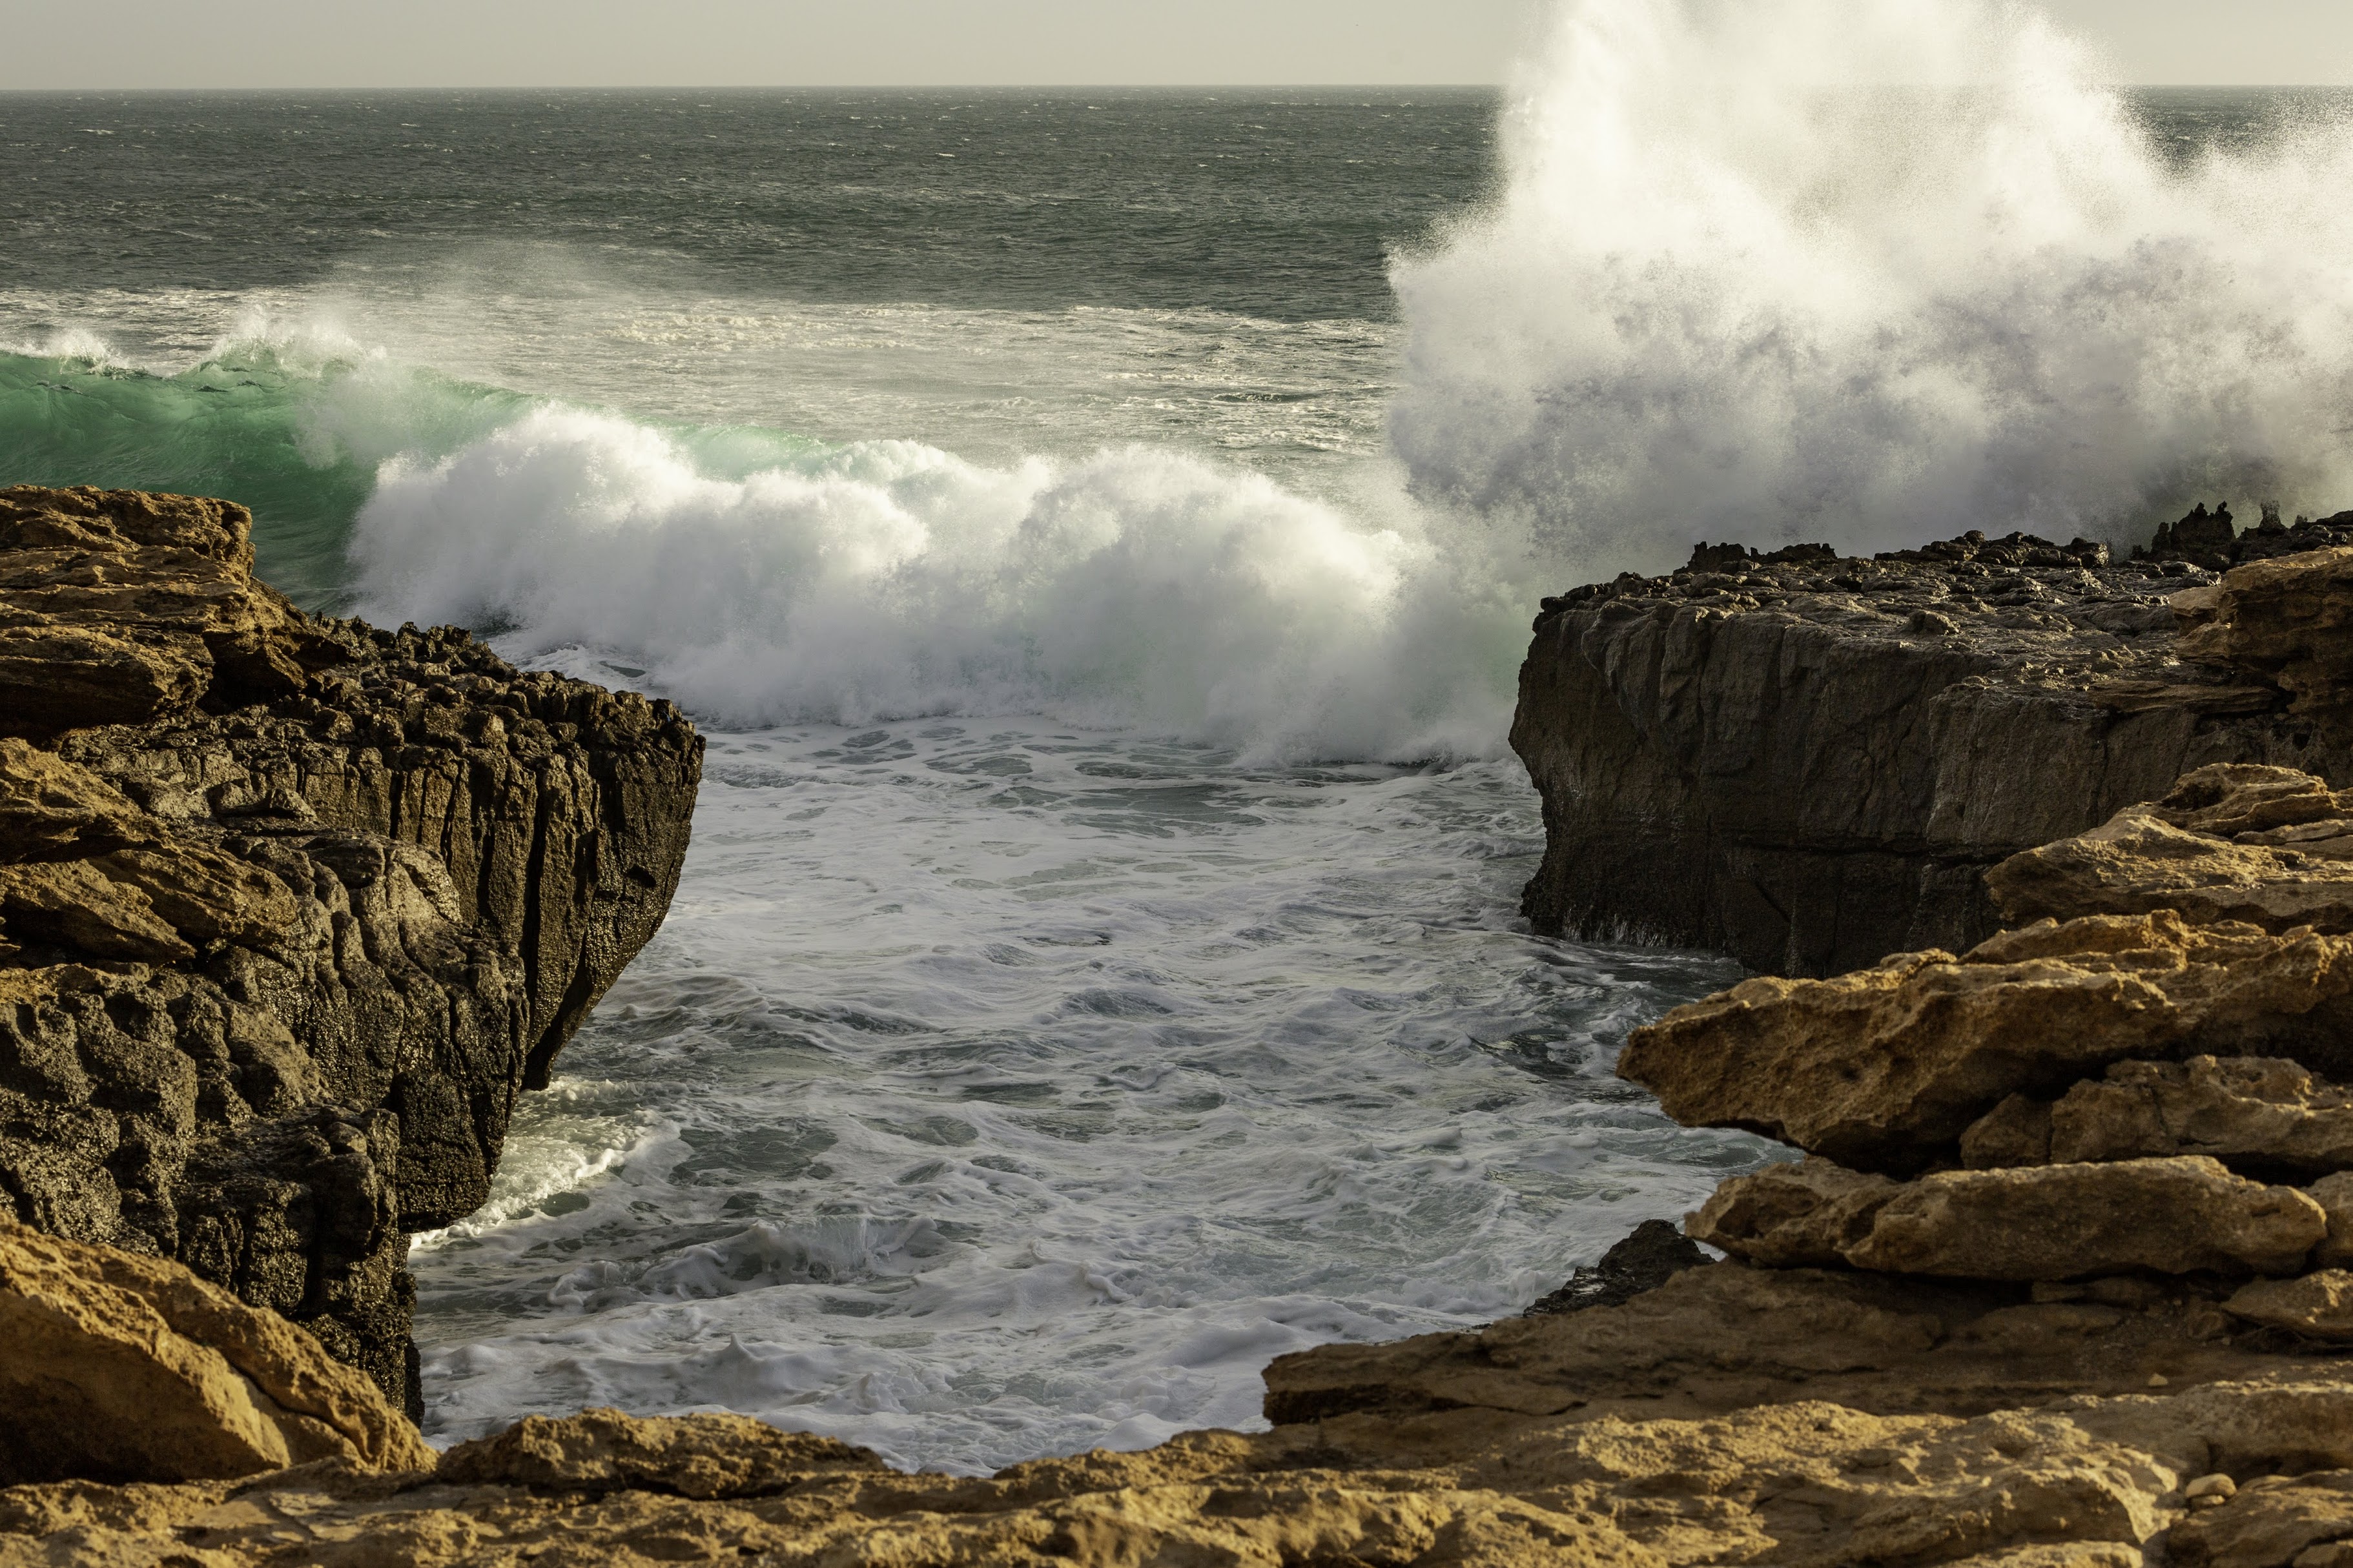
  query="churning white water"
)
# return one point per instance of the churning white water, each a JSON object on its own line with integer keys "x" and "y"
{"x": 999, "y": 1088}
{"x": 1872, "y": 271}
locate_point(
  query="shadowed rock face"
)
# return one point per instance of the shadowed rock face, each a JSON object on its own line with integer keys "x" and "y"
{"x": 1809, "y": 762}
{"x": 282, "y": 939}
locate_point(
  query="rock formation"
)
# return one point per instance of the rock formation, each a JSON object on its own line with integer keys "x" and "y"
{"x": 2268, "y": 846}
{"x": 123, "y": 1368}
{"x": 290, "y": 908}
{"x": 1809, "y": 762}
{"x": 2058, "y": 1273}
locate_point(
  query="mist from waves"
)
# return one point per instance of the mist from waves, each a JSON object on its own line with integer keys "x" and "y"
{"x": 1741, "y": 287}
{"x": 1735, "y": 285}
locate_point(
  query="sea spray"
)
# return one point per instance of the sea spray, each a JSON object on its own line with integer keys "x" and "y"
{"x": 1871, "y": 271}
{"x": 887, "y": 579}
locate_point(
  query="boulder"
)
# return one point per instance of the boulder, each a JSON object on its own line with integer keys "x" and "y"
{"x": 2267, "y": 847}
{"x": 1885, "y": 1068}
{"x": 2258, "y": 1112}
{"x": 2273, "y": 1522}
{"x": 2181, "y": 1215}
{"x": 132, "y": 1369}
{"x": 2260, "y": 1115}
{"x": 1648, "y": 1256}
{"x": 2335, "y": 1196}
{"x": 2318, "y": 1304}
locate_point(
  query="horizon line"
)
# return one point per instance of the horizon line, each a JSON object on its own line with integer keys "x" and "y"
{"x": 984, "y": 87}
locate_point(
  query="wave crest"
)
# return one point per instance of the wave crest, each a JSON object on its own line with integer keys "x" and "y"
{"x": 887, "y": 579}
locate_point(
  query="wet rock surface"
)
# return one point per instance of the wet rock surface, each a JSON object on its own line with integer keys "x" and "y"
{"x": 1651, "y": 1255}
{"x": 282, "y": 942}
{"x": 1809, "y": 762}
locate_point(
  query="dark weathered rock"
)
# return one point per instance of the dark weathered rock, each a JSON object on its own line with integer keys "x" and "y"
{"x": 1811, "y": 763}
{"x": 276, "y": 958}
{"x": 1648, "y": 1256}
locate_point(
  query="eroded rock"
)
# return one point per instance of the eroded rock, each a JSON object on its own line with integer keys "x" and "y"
{"x": 2319, "y": 1304}
{"x": 1806, "y": 1483}
{"x": 2261, "y": 1113}
{"x": 1646, "y": 1258}
{"x": 123, "y": 1368}
{"x": 2288, "y": 622}
{"x": 2268, "y": 846}
{"x": 1887, "y": 1068}
{"x": 2180, "y": 1215}
{"x": 708, "y": 1456}
{"x": 1809, "y": 762}
{"x": 278, "y": 955}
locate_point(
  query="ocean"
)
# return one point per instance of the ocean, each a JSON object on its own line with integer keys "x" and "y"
{"x": 1097, "y": 531}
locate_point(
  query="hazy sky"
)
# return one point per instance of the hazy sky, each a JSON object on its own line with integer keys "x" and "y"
{"x": 480, "y": 43}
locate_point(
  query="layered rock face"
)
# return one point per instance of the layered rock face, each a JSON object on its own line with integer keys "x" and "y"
{"x": 1809, "y": 762}
{"x": 284, "y": 934}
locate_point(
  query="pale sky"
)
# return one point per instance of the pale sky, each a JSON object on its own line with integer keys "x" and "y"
{"x": 712, "y": 43}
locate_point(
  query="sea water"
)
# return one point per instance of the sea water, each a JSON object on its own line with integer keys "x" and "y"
{"x": 1097, "y": 531}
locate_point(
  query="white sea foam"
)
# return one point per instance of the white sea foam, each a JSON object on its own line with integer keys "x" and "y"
{"x": 1871, "y": 272}
{"x": 1000, "y": 1088}
{"x": 885, "y": 579}
{"x": 1867, "y": 271}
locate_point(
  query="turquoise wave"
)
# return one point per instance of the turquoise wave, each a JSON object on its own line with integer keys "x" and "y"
{"x": 298, "y": 444}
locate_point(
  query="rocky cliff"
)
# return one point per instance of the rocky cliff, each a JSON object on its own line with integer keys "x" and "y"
{"x": 290, "y": 908}
{"x": 1809, "y": 762}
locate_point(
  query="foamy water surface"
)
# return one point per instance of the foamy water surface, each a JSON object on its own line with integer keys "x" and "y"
{"x": 998, "y": 1088}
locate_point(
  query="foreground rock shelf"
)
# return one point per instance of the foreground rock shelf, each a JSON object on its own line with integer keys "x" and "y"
{"x": 1810, "y": 760}
{"x": 290, "y": 908}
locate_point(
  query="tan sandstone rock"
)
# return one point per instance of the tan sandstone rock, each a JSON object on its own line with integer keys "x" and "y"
{"x": 2286, "y": 621}
{"x": 2178, "y": 1215}
{"x": 2261, "y": 1112}
{"x": 2268, "y": 846}
{"x": 1805, "y": 1483}
{"x": 127, "y": 1368}
{"x": 1887, "y": 1068}
{"x": 2319, "y": 1304}
{"x": 124, "y": 612}
{"x": 2273, "y": 1522}
{"x": 709, "y": 1456}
